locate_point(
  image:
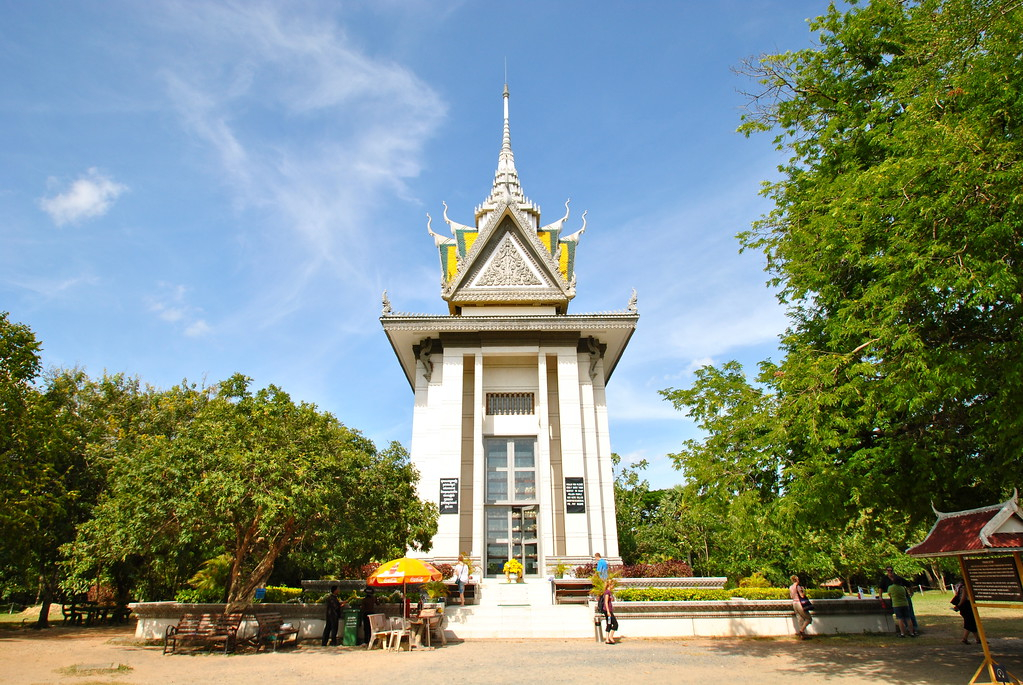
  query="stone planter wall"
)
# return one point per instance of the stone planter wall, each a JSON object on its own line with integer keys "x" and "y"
{"x": 154, "y": 617}
{"x": 750, "y": 618}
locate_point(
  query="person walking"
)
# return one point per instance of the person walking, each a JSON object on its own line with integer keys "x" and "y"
{"x": 961, "y": 603}
{"x": 801, "y": 605}
{"x": 333, "y": 617}
{"x": 461, "y": 573}
{"x": 900, "y": 605}
{"x": 608, "y": 607}
{"x": 887, "y": 580}
{"x": 602, "y": 567}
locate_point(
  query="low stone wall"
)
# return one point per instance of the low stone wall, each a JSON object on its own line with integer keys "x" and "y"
{"x": 154, "y": 617}
{"x": 731, "y": 618}
{"x": 750, "y": 618}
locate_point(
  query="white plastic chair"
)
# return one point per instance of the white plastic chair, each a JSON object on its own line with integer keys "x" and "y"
{"x": 379, "y": 627}
{"x": 400, "y": 628}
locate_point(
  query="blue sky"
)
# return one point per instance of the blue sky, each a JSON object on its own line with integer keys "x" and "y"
{"x": 193, "y": 189}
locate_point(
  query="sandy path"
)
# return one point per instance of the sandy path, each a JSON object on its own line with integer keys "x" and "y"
{"x": 28, "y": 656}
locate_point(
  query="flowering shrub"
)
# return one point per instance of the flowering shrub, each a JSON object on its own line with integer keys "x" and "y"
{"x": 673, "y": 568}
{"x": 281, "y": 594}
{"x": 512, "y": 566}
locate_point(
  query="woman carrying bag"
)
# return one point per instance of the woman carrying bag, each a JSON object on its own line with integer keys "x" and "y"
{"x": 801, "y": 605}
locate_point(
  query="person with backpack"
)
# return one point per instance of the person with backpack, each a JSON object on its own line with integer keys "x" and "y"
{"x": 605, "y": 605}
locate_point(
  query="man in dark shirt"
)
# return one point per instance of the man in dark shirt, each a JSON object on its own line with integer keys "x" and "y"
{"x": 368, "y": 606}
{"x": 333, "y": 616}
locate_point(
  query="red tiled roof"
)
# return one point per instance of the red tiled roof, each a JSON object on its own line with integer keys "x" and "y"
{"x": 962, "y": 532}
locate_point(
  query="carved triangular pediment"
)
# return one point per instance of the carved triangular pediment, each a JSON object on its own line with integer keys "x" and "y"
{"x": 507, "y": 264}
{"x": 507, "y": 267}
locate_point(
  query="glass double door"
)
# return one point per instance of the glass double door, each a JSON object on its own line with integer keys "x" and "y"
{"x": 511, "y": 534}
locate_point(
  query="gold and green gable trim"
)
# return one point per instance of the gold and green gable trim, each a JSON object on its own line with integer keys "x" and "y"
{"x": 451, "y": 253}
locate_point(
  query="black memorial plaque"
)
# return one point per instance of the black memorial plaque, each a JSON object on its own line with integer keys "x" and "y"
{"x": 994, "y": 579}
{"x": 448, "y": 496}
{"x": 575, "y": 496}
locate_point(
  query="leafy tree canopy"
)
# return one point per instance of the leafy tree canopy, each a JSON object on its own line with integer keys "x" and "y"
{"x": 895, "y": 241}
{"x": 253, "y": 474}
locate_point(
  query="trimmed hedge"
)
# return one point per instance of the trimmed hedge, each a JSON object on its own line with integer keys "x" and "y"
{"x": 685, "y": 594}
{"x": 280, "y": 594}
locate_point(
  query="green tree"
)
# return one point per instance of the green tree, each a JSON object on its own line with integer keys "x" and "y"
{"x": 630, "y": 493}
{"x": 53, "y": 476}
{"x": 19, "y": 367}
{"x": 895, "y": 242}
{"x": 254, "y": 475}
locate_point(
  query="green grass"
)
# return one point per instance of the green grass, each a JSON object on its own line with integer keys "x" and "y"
{"x": 85, "y": 670}
{"x": 30, "y": 615}
{"x": 934, "y": 613}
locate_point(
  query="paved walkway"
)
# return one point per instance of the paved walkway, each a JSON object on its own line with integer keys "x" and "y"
{"x": 87, "y": 656}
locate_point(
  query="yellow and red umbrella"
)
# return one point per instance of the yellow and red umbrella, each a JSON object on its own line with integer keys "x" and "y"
{"x": 403, "y": 571}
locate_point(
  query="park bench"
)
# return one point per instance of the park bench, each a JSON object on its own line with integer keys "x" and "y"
{"x": 71, "y": 614}
{"x": 205, "y": 629}
{"x": 473, "y": 591}
{"x": 274, "y": 631}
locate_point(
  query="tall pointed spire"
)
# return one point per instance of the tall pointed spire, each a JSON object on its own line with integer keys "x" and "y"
{"x": 506, "y": 174}
{"x": 506, "y": 188}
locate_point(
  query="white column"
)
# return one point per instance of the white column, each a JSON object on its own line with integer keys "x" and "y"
{"x": 577, "y": 533}
{"x": 479, "y": 485}
{"x": 436, "y": 440}
{"x": 544, "y": 486}
{"x": 594, "y": 504}
{"x": 604, "y": 466}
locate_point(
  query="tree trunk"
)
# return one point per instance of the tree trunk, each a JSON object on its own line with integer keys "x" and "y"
{"x": 241, "y": 597}
{"x": 46, "y": 593}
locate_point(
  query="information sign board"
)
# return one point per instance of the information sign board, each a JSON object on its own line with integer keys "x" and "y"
{"x": 994, "y": 579}
{"x": 448, "y": 496}
{"x": 575, "y": 496}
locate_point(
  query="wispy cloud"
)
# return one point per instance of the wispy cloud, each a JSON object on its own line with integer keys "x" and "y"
{"x": 171, "y": 305}
{"x": 89, "y": 196}
{"x": 307, "y": 131}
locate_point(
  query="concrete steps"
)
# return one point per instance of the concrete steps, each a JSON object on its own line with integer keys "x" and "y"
{"x": 522, "y": 610}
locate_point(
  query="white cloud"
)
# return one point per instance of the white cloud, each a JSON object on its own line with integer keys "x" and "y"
{"x": 198, "y": 329}
{"x": 308, "y": 132}
{"x": 171, "y": 306}
{"x": 630, "y": 402}
{"x": 88, "y": 197}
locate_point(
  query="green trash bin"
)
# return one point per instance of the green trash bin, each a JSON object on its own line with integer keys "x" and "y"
{"x": 350, "y": 627}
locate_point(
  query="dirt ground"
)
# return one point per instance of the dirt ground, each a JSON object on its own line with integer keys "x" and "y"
{"x": 103, "y": 655}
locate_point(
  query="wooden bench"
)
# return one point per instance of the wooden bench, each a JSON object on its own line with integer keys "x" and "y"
{"x": 571, "y": 590}
{"x": 274, "y": 631}
{"x": 473, "y": 591}
{"x": 71, "y": 614}
{"x": 205, "y": 629}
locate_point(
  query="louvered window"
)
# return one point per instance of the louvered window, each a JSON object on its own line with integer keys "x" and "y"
{"x": 505, "y": 403}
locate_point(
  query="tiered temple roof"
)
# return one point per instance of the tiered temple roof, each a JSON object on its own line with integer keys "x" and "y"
{"x": 507, "y": 258}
